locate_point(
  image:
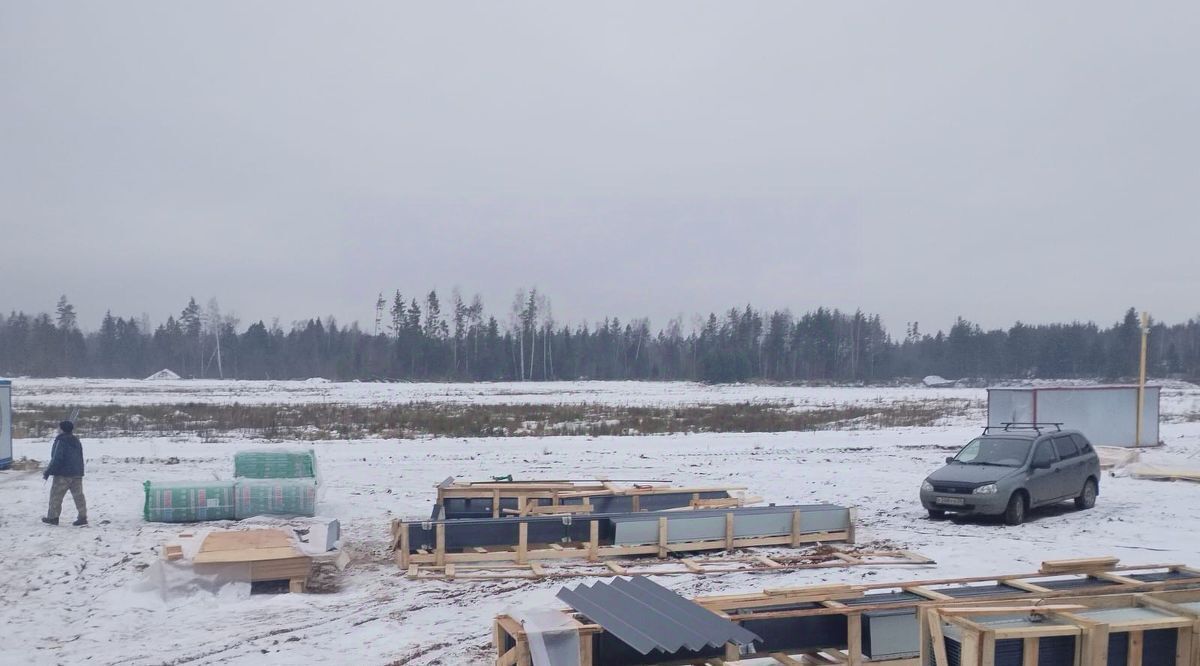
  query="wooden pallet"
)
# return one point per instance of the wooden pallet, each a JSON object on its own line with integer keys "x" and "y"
{"x": 809, "y": 601}
{"x": 714, "y": 566}
{"x": 269, "y": 555}
{"x": 592, "y": 550}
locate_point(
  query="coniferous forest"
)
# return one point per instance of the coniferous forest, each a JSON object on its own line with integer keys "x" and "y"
{"x": 426, "y": 339}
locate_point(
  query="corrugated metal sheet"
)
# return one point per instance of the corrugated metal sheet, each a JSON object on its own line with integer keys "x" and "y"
{"x": 647, "y": 616}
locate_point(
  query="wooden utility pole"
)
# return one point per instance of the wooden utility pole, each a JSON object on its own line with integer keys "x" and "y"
{"x": 1141, "y": 393}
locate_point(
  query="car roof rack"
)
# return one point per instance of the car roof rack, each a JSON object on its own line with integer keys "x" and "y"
{"x": 1036, "y": 426}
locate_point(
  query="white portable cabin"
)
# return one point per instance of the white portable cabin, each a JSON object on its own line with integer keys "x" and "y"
{"x": 5, "y": 423}
{"x": 1106, "y": 415}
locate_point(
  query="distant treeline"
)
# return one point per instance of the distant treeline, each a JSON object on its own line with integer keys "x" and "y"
{"x": 415, "y": 340}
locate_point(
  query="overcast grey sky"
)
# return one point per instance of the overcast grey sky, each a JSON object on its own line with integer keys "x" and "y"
{"x": 1000, "y": 161}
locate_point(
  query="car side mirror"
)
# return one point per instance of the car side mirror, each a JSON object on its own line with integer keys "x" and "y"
{"x": 949, "y": 459}
{"x": 1041, "y": 464}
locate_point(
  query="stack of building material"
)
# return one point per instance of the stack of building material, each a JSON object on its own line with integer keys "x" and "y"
{"x": 248, "y": 555}
{"x": 188, "y": 501}
{"x": 269, "y": 482}
{"x": 275, "y": 464}
{"x": 261, "y": 497}
{"x": 1164, "y": 472}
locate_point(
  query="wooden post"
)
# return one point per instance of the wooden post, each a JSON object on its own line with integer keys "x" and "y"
{"x": 850, "y": 531}
{"x": 593, "y": 541}
{"x": 988, "y": 647}
{"x": 1029, "y": 651}
{"x": 854, "y": 639}
{"x": 934, "y": 622}
{"x": 404, "y": 545}
{"x": 496, "y": 503}
{"x": 585, "y": 648}
{"x": 1135, "y": 649}
{"x": 1141, "y": 393}
{"x": 732, "y": 653}
{"x": 522, "y": 542}
{"x": 970, "y": 648}
{"x": 1184, "y": 655}
{"x": 637, "y": 503}
{"x": 662, "y": 538}
{"x": 935, "y": 633}
{"x": 796, "y": 529}
{"x": 440, "y": 554}
{"x": 521, "y": 505}
{"x": 729, "y": 531}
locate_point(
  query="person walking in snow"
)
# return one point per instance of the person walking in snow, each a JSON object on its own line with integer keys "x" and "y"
{"x": 66, "y": 466}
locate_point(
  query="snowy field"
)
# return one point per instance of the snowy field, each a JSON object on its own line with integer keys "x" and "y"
{"x": 75, "y": 595}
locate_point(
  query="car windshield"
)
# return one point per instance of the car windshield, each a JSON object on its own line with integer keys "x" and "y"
{"x": 994, "y": 451}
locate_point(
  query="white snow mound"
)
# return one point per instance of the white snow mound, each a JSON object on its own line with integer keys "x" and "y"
{"x": 164, "y": 374}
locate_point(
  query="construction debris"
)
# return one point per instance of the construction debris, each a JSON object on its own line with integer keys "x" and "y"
{"x": 1164, "y": 473}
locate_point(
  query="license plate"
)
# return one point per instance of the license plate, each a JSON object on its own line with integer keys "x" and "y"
{"x": 950, "y": 501}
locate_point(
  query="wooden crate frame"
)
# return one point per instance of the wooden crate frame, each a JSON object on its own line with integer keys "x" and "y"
{"x": 979, "y": 640}
{"x": 524, "y": 552}
{"x": 528, "y": 494}
{"x": 742, "y": 607}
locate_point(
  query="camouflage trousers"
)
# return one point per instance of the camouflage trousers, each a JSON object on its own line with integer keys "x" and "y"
{"x": 58, "y": 491}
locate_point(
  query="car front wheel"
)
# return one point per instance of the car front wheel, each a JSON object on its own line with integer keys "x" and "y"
{"x": 1015, "y": 513}
{"x": 1087, "y": 498}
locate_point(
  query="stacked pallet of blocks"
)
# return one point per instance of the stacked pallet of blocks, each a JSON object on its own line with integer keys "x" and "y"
{"x": 266, "y": 482}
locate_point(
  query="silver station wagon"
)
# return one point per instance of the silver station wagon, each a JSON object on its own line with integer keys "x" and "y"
{"x": 1013, "y": 468}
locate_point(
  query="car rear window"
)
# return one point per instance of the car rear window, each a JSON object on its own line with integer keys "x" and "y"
{"x": 1082, "y": 443}
{"x": 1066, "y": 447}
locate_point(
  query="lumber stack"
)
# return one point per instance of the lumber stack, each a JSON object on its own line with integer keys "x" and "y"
{"x": 258, "y": 555}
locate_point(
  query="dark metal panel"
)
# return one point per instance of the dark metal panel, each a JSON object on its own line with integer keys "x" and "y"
{"x": 1073, "y": 583}
{"x": 969, "y": 591}
{"x": 649, "y": 617}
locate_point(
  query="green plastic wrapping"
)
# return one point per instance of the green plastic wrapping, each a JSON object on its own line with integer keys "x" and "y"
{"x": 188, "y": 501}
{"x": 274, "y": 464}
{"x": 259, "y": 497}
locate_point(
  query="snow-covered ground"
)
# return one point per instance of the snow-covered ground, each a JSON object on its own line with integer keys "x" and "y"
{"x": 73, "y": 595}
{"x": 83, "y": 392}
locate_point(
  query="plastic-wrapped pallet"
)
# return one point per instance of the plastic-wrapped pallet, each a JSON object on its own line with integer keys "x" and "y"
{"x": 259, "y": 497}
{"x": 275, "y": 464}
{"x": 188, "y": 501}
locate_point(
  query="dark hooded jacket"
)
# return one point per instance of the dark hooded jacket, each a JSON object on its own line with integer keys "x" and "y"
{"x": 66, "y": 457}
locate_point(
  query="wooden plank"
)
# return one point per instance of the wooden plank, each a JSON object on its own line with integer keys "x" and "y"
{"x": 729, "y": 531}
{"x": 405, "y": 546}
{"x": 247, "y": 555}
{"x": 522, "y": 542}
{"x": 1185, "y": 647}
{"x": 449, "y": 571}
{"x": 662, "y": 538}
{"x": 593, "y": 540}
{"x": 1135, "y": 649}
{"x": 537, "y": 569}
{"x": 854, "y": 639}
{"x": 440, "y": 536}
{"x": 244, "y": 539}
{"x": 852, "y": 529}
{"x": 934, "y": 622}
{"x": 795, "y": 534}
{"x": 927, "y": 593}
{"x": 988, "y": 648}
{"x": 1029, "y": 651}
{"x": 296, "y": 585}
{"x": 784, "y": 659}
{"x": 1081, "y": 565}
{"x": 615, "y": 568}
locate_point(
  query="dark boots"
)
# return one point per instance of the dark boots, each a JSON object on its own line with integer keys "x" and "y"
{"x": 50, "y": 521}
{"x": 80, "y": 522}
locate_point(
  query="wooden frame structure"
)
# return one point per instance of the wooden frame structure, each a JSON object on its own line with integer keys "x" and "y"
{"x": 1068, "y": 580}
{"x": 1081, "y": 619}
{"x": 524, "y": 551}
{"x": 556, "y": 497}
{"x": 702, "y": 566}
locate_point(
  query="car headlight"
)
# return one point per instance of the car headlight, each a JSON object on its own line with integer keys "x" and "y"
{"x": 927, "y": 486}
{"x": 989, "y": 489}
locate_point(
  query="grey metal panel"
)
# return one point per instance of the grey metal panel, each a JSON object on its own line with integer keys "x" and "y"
{"x": 648, "y": 617}
{"x": 747, "y": 522}
{"x": 5, "y": 424}
{"x": 1106, "y": 415}
{"x": 1115, "y": 615}
{"x": 891, "y": 634}
{"x": 1009, "y": 406}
